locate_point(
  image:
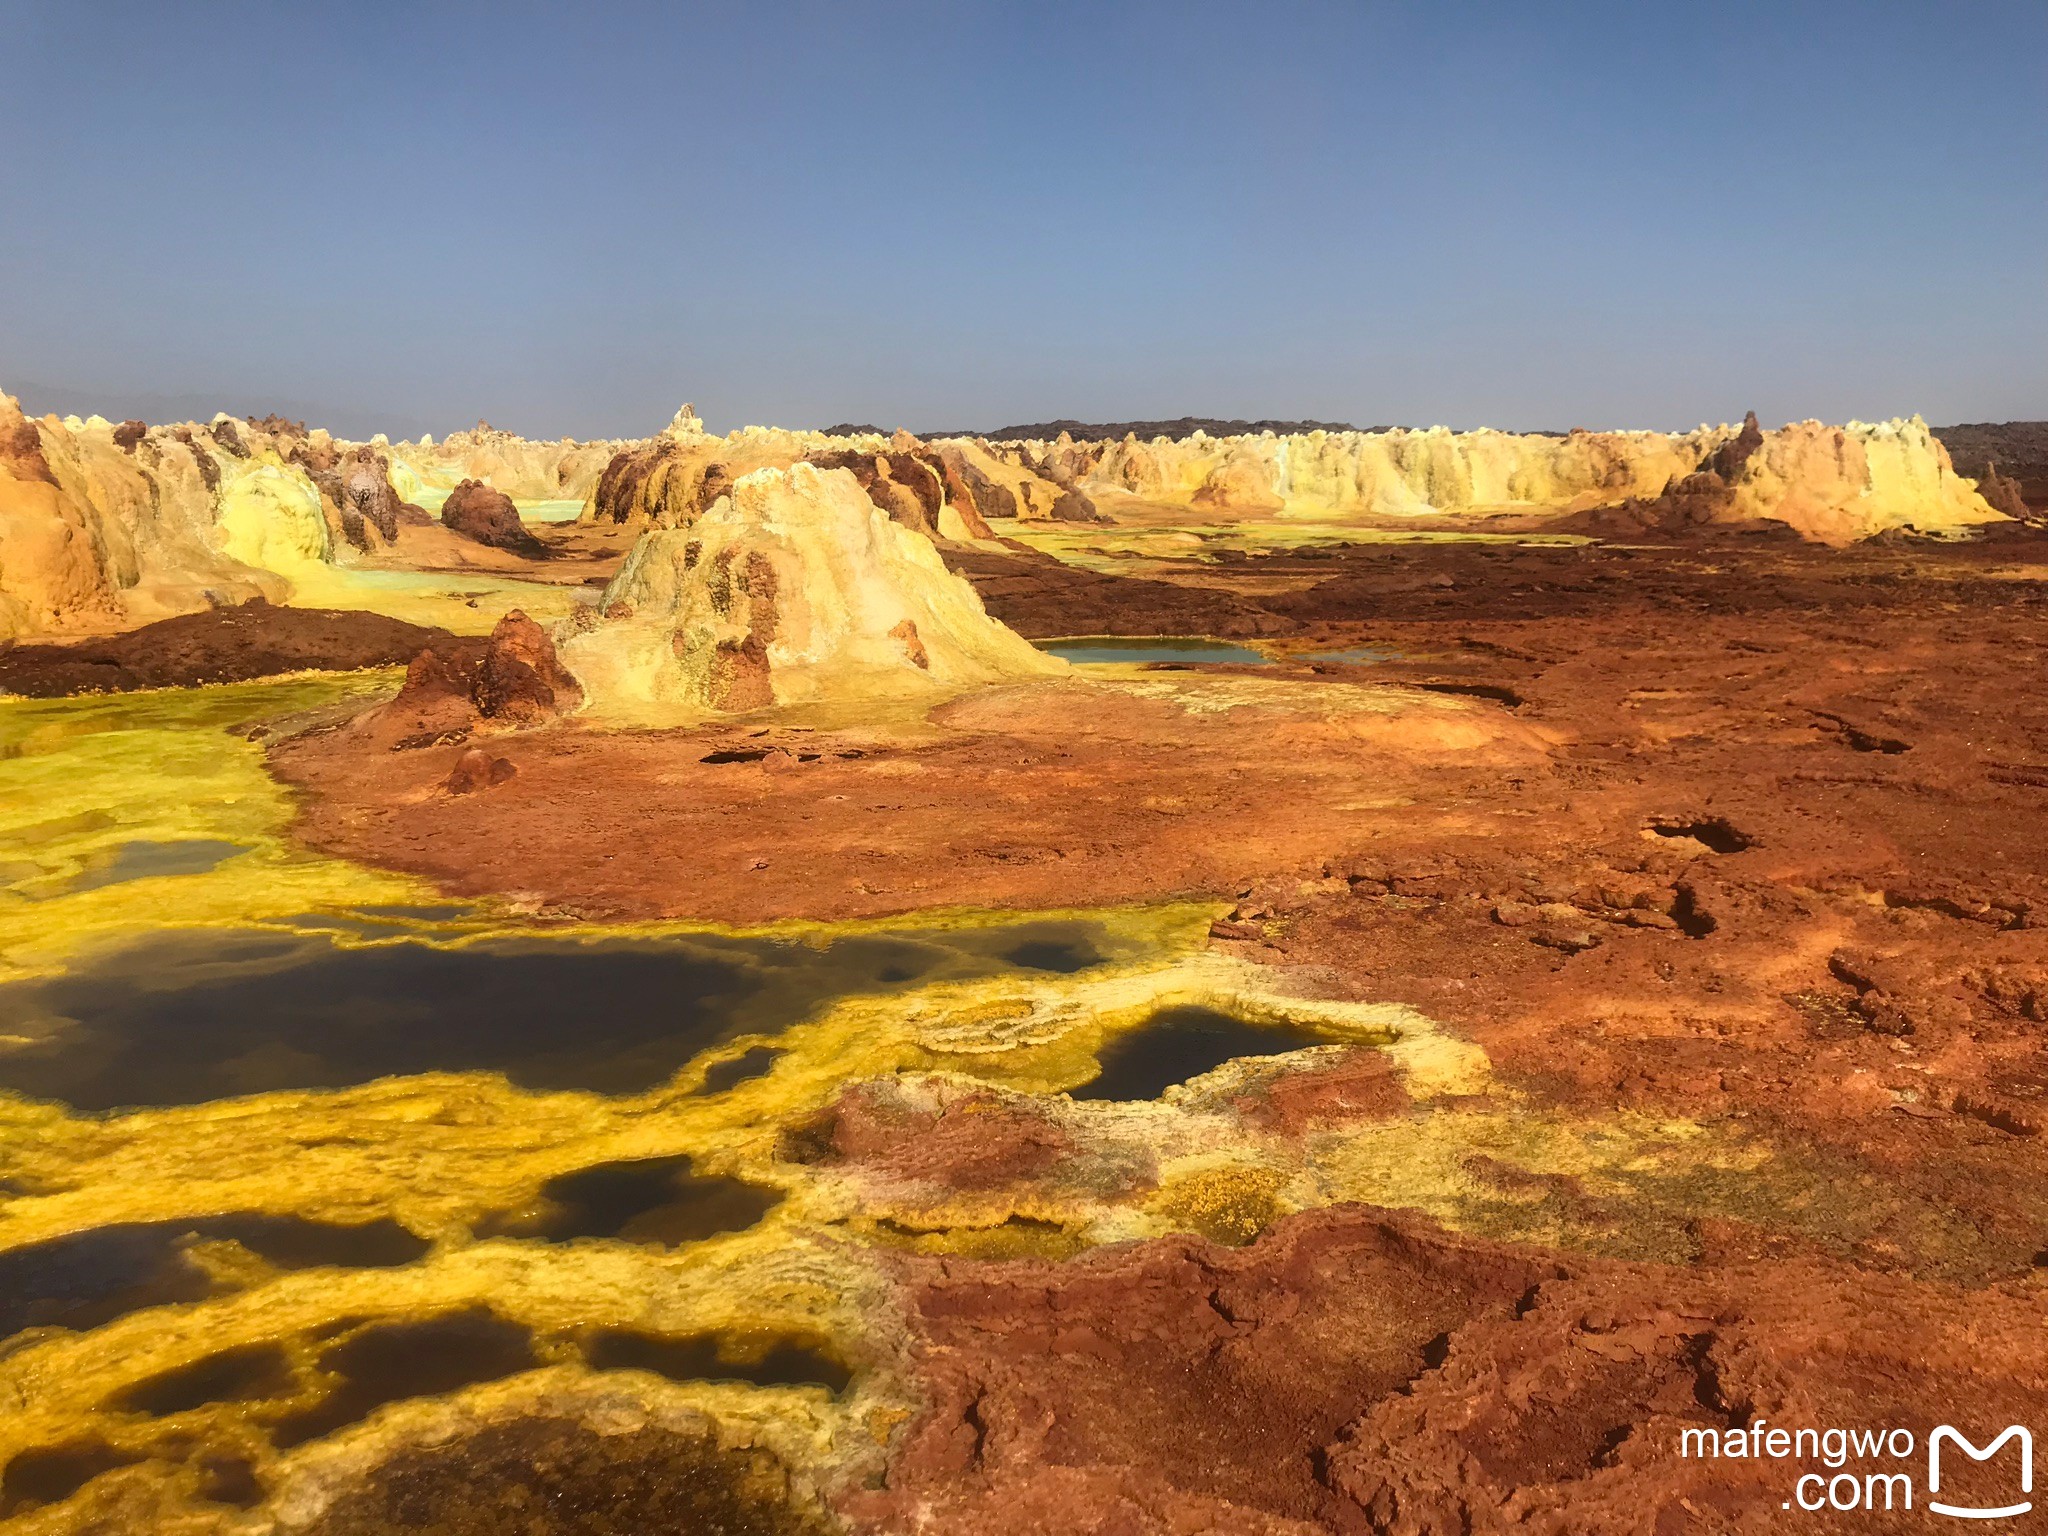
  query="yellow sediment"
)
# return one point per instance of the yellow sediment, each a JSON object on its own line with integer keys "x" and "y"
{"x": 82, "y": 778}
{"x": 465, "y": 604}
{"x": 1130, "y": 548}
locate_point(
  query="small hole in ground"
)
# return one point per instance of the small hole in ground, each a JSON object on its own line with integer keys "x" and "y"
{"x": 1692, "y": 921}
{"x": 1493, "y": 691}
{"x": 1712, "y": 831}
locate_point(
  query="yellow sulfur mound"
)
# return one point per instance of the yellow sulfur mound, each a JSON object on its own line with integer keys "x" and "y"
{"x": 793, "y": 588}
{"x": 1833, "y": 484}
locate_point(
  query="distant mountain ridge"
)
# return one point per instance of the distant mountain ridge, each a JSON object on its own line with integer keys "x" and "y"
{"x": 1181, "y": 426}
{"x": 2018, "y": 449}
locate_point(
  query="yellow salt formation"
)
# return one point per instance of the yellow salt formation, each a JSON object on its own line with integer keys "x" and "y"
{"x": 105, "y": 527}
{"x": 101, "y": 531}
{"x": 84, "y": 780}
{"x": 1839, "y": 484}
{"x": 1829, "y": 483}
{"x": 95, "y": 535}
{"x": 526, "y": 469}
{"x": 270, "y": 519}
{"x": 102, "y": 527}
{"x": 792, "y": 588}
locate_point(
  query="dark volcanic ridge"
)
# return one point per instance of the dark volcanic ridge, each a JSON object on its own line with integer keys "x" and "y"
{"x": 1181, "y": 426}
{"x": 2017, "y": 450}
{"x": 1109, "y": 431}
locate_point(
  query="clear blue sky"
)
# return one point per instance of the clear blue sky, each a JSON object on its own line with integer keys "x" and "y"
{"x": 569, "y": 218}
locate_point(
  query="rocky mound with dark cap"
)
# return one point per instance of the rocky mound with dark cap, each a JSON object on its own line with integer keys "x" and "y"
{"x": 357, "y": 483}
{"x": 908, "y": 485}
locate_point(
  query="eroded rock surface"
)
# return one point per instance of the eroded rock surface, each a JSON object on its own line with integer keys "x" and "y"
{"x": 1358, "y": 1371}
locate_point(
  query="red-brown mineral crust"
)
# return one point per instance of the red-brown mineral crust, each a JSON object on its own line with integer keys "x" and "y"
{"x": 221, "y": 645}
{"x": 1357, "y": 1370}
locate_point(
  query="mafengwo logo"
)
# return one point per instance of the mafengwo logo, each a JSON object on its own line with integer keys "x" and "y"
{"x": 1872, "y": 1470}
{"x": 1946, "y": 1435}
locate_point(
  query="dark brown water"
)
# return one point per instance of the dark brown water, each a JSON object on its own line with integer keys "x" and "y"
{"x": 708, "y": 1357}
{"x": 648, "y": 1200}
{"x": 749, "y": 1064}
{"x": 389, "y": 1362}
{"x": 51, "y": 1474}
{"x": 88, "y": 1278}
{"x": 191, "y": 1016}
{"x": 248, "y": 1373}
{"x": 1176, "y": 1044}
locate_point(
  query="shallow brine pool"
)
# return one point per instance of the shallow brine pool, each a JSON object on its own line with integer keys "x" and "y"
{"x": 1182, "y": 649}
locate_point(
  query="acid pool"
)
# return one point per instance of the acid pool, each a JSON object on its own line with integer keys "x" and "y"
{"x": 1180, "y": 650}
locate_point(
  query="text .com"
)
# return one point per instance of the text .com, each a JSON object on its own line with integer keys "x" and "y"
{"x": 1880, "y": 1469}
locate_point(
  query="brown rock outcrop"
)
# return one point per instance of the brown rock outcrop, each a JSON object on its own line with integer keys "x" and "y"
{"x": 1728, "y": 460}
{"x": 56, "y": 566}
{"x": 669, "y": 480}
{"x": 628, "y": 487}
{"x": 1073, "y": 506}
{"x": 224, "y": 433}
{"x": 355, "y": 484}
{"x": 900, "y": 482}
{"x": 477, "y": 769}
{"x": 513, "y": 679}
{"x": 478, "y": 511}
{"x": 21, "y": 445}
{"x": 367, "y": 493}
{"x": 973, "y": 486}
{"x": 520, "y": 678}
{"x": 2003, "y": 494}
